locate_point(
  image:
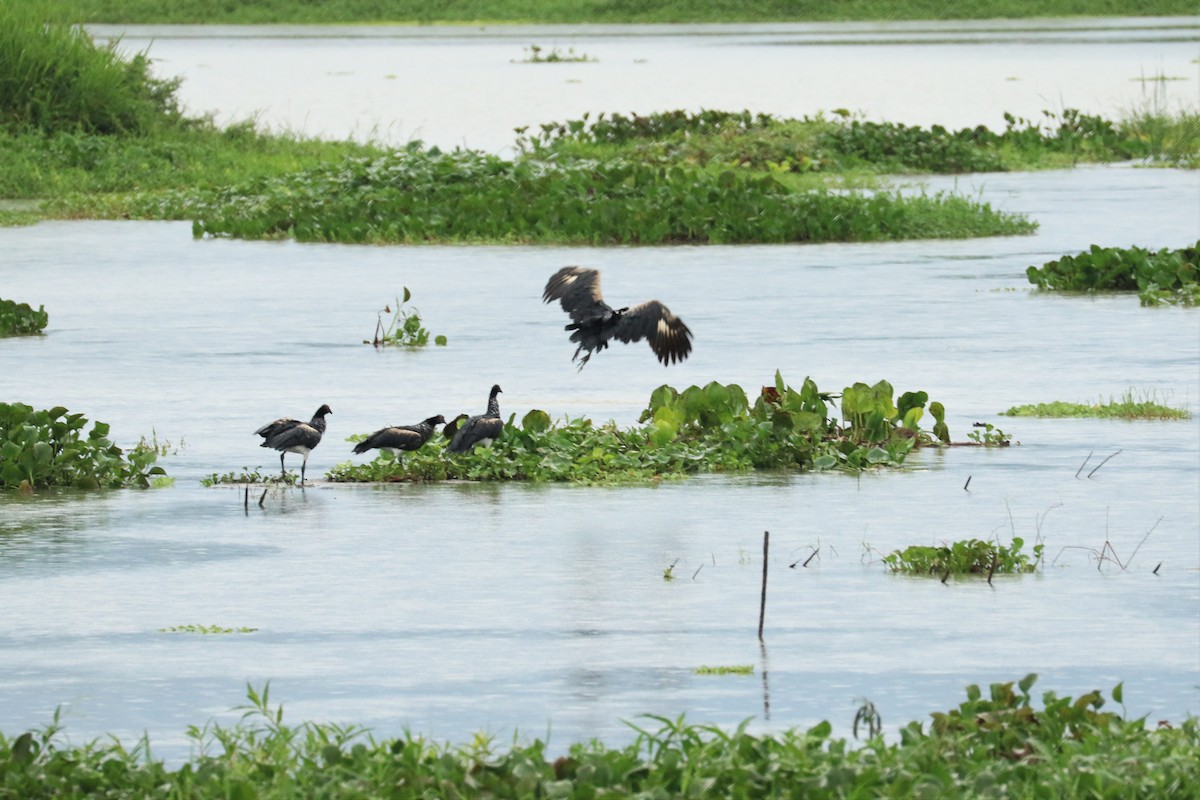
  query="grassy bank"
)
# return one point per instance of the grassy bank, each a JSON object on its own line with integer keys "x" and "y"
{"x": 1002, "y": 744}
{"x": 597, "y": 11}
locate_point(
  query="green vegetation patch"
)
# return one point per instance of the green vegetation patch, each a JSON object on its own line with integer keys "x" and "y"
{"x": 841, "y": 143}
{"x": 206, "y": 629}
{"x": 248, "y": 476}
{"x": 711, "y": 428}
{"x": 42, "y": 449}
{"x": 425, "y": 195}
{"x": 19, "y": 319}
{"x": 1163, "y": 276}
{"x": 969, "y": 557}
{"x": 1130, "y": 405}
{"x": 740, "y": 669}
{"x": 1002, "y": 744}
{"x": 606, "y": 11}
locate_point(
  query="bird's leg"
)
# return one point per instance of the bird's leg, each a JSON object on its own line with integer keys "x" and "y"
{"x": 303, "y": 467}
{"x": 282, "y": 469}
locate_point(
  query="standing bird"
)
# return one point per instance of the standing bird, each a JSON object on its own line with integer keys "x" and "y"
{"x": 289, "y": 435}
{"x": 401, "y": 437}
{"x": 479, "y": 430}
{"x": 594, "y": 321}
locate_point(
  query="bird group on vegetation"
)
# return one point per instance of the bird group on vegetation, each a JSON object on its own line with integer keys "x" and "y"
{"x": 593, "y": 324}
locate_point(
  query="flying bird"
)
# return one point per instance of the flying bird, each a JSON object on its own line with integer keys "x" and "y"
{"x": 594, "y": 321}
{"x": 401, "y": 437}
{"x": 289, "y": 435}
{"x": 482, "y": 429}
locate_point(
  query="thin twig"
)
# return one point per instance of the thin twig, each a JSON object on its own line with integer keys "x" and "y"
{"x": 264, "y": 497}
{"x": 992, "y": 569}
{"x": 246, "y": 500}
{"x": 968, "y": 483}
{"x": 697, "y": 572}
{"x": 1156, "y": 568}
{"x": 1084, "y": 464}
{"x": 810, "y": 558}
{"x": 1102, "y": 463}
{"x": 1144, "y": 538}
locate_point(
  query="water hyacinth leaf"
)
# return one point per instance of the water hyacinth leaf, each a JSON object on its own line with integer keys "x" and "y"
{"x": 535, "y": 421}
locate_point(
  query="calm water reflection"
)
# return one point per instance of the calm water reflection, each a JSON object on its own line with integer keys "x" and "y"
{"x": 452, "y": 609}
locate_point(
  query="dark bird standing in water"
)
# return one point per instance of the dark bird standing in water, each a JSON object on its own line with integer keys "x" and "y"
{"x": 401, "y": 437}
{"x": 289, "y": 435}
{"x": 594, "y": 321}
{"x": 482, "y": 429}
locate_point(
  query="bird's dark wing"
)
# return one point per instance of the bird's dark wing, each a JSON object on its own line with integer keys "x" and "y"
{"x": 669, "y": 338}
{"x": 277, "y": 427}
{"x": 397, "y": 438}
{"x": 578, "y": 289}
{"x": 299, "y": 435}
{"x": 475, "y": 430}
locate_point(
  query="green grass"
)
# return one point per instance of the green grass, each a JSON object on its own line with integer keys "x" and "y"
{"x": 1130, "y": 405}
{"x": 607, "y": 11}
{"x": 739, "y": 669}
{"x": 1000, "y": 744}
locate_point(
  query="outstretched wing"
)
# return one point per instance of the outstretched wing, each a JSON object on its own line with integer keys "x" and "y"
{"x": 669, "y": 338}
{"x": 579, "y": 291}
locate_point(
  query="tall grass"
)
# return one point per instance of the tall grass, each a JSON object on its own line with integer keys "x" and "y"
{"x": 54, "y": 78}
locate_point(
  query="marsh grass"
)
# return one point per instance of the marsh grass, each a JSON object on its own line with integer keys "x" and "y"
{"x": 55, "y": 78}
{"x": 998, "y": 743}
{"x": 1132, "y": 404}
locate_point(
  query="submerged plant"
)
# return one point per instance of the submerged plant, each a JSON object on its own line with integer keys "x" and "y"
{"x": 47, "y": 448}
{"x": 969, "y": 557}
{"x": 405, "y": 328}
{"x": 19, "y": 319}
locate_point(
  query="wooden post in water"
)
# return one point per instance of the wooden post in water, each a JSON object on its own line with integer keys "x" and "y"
{"x": 762, "y": 605}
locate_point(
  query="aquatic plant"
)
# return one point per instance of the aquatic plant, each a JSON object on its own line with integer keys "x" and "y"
{"x": 739, "y": 669}
{"x": 205, "y": 629}
{"x": 711, "y": 428}
{"x": 1001, "y": 743}
{"x": 1131, "y": 405}
{"x": 425, "y": 195}
{"x": 405, "y": 328}
{"x": 969, "y": 557}
{"x": 534, "y": 54}
{"x": 46, "y": 448}
{"x": 248, "y": 476}
{"x": 1163, "y": 276}
{"x": 988, "y": 435}
{"x": 19, "y": 319}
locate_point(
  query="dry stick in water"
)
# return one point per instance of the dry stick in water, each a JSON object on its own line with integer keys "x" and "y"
{"x": 1102, "y": 463}
{"x": 246, "y": 500}
{"x": 762, "y": 605}
{"x": 261, "y": 499}
{"x": 1084, "y": 464}
{"x": 968, "y": 483}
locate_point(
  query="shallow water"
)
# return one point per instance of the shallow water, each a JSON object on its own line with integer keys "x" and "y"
{"x": 451, "y": 609}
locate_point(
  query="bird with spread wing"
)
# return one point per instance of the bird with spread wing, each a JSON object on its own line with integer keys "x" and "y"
{"x": 594, "y": 322}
